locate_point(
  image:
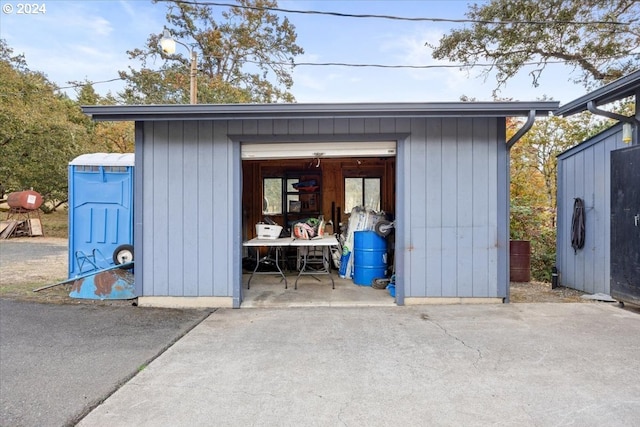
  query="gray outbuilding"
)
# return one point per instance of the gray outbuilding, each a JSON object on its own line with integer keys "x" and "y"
{"x": 585, "y": 172}
{"x": 451, "y": 191}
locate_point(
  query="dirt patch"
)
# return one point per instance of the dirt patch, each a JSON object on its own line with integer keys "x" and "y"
{"x": 542, "y": 292}
{"x": 29, "y": 263}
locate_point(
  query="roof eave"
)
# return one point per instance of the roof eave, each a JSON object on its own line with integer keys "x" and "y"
{"x": 318, "y": 111}
{"x": 618, "y": 89}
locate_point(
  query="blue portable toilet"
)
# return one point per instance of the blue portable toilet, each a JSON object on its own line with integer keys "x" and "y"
{"x": 100, "y": 210}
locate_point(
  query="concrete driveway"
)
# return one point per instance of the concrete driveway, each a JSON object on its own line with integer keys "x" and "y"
{"x": 455, "y": 365}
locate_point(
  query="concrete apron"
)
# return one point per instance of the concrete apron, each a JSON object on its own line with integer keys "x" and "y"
{"x": 313, "y": 291}
{"x": 473, "y": 365}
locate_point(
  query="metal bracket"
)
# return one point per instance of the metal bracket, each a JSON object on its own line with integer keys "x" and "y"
{"x": 591, "y": 106}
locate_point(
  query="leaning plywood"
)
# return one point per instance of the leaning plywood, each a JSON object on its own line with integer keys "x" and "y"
{"x": 8, "y": 227}
{"x": 35, "y": 227}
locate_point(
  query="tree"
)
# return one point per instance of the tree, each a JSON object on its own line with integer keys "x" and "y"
{"x": 599, "y": 37}
{"x": 114, "y": 137}
{"x": 546, "y": 140}
{"x": 111, "y": 137}
{"x": 246, "y": 54}
{"x": 533, "y": 182}
{"x": 40, "y": 130}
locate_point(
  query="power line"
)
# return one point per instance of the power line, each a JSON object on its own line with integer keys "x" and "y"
{"x": 386, "y": 66}
{"x": 91, "y": 83}
{"x": 344, "y": 64}
{"x": 397, "y": 18}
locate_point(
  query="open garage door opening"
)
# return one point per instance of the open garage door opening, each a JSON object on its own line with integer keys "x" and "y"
{"x": 302, "y": 204}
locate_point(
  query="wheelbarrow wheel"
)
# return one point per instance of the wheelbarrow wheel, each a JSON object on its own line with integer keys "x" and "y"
{"x": 123, "y": 255}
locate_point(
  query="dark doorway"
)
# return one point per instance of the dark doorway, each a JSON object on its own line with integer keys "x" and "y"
{"x": 625, "y": 224}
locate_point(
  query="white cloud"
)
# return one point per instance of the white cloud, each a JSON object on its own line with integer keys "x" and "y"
{"x": 128, "y": 8}
{"x": 96, "y": 26}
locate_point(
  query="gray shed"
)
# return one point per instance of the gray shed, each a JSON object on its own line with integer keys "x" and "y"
{"x": 451, "y": 191}
{"x": 584, "y": 171}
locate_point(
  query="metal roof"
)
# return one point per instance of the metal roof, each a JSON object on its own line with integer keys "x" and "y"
{"x": 621, "y": 88}
{"x": 318, "y": 111}
{"x": 104, "y": 159}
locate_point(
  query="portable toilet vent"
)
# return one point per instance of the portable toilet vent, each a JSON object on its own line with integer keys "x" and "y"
{"x": 100, "y": 210}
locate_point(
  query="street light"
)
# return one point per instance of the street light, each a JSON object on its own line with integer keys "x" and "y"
{"x": 168, "y": 45}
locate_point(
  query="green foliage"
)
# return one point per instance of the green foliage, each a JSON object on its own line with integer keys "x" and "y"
{"x": 244, "y": 55}
{"x": 40, "y": 130}
{"x": 109, "y": 137}
{"x": 533, "y": 183}
{"x": 599, "y": 37}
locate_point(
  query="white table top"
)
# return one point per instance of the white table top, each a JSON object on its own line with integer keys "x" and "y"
{"x": 323, "y": 241}
{"x": 290, "y": 241}
{"x": 282, "y": 241}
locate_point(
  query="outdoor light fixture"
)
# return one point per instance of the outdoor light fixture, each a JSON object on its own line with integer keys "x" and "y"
{"x": 168, "y": 45}
{"x": 627, "y": 132}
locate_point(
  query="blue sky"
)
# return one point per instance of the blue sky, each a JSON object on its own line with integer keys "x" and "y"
{"x": 76, "y": 40}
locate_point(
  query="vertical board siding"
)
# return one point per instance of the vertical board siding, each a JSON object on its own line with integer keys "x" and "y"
{"x": 415, "y": 199}
{"x": 387, "y": 125}
{"x": 205, "y": 266}
{"x": 589, "y": 200}
{"x": 464, "y": 206}
{"x": 156, "y": 211}
{"x": 483, "y": 234}
{"x": 296, "y": 127}
{"x": 175, "y": 206}
{"x": 185, "y": 212}
{"x": 341, "y": 126}
{"x": 451, "y": 192}
{"x": 585, "y": 172}
{"x": 434, "y": 167}
{"x": 601, "y": 266}
{"x": 222, "y": 205}
{"x": 310, "y": 127}
{"x": 190, "y": 208}
{"x": 448, "y": 206}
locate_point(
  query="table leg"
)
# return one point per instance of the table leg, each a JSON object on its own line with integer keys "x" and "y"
{"x": 303, "y": 267}
{"x": 255, "y": 270}
{"x": 279, "y": 269}
{"x": 326, "y": 255}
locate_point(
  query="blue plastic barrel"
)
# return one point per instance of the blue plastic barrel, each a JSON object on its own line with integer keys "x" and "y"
{"x": 370, "y": 257}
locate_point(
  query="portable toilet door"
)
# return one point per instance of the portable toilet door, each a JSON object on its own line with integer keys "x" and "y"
{"x": 100, "y": 210}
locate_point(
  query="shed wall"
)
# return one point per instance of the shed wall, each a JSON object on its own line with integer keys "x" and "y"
{"x": 448, "y": 199}
{"x": 187, "y": 209}
{"x": 451, "y": 208}
{"x": 585, "y": 172}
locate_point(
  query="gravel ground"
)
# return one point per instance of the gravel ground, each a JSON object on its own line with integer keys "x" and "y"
{"x": 542, "y": 292}
{"x": 29, "y": 259}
